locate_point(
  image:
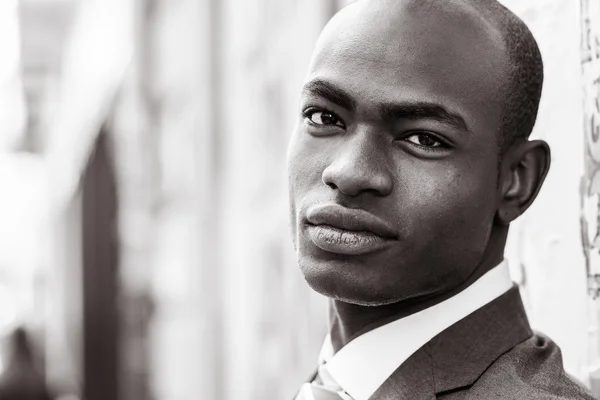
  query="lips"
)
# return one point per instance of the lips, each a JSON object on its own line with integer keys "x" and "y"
{"x": 349, "y": 219}
{"x": 340, "y": 230}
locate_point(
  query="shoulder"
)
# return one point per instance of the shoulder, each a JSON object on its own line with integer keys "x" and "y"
{"x": 531, "y": 370}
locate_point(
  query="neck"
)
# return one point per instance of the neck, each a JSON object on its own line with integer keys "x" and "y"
{"x": 348, "y": 321}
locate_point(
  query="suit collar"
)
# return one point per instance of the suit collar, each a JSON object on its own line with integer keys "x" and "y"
{"x": 459, "y": 355}
{"x": 465, "y": 350}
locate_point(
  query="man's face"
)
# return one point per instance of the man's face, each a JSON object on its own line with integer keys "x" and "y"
{"x": 393, "y": 163}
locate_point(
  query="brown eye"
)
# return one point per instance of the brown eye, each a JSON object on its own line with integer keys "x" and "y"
{"x": 324, "y": 118}
{"x": 424, "y": 139}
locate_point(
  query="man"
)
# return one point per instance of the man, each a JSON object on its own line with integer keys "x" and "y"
{"x": 410, "y": 159}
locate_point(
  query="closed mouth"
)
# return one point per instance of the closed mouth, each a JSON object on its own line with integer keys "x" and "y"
{"x": 349, "y": 220}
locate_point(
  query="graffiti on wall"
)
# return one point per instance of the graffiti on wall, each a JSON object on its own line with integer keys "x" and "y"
{"x": 590, "y": 184}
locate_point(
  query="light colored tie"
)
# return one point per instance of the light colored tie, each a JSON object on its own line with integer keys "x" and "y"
{"x": 324, "y": 387}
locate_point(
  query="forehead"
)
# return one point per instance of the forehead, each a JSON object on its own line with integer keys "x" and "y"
{"x": 398, "y": 51}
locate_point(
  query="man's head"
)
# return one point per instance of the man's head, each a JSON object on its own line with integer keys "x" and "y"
{"x": 396, "y": 187}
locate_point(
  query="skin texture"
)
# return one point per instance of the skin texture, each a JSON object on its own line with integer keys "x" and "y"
{"x": 399, "y": 117}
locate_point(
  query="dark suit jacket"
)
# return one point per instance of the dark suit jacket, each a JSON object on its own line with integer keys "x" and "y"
{"x": 491, "y": 354}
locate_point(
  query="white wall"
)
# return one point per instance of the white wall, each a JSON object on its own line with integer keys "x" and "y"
{"x": 13, "y": 113}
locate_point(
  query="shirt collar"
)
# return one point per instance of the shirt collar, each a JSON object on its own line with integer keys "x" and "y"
{"x": 365, "y": 363}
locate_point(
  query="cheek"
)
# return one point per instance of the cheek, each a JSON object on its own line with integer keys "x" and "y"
{"x": 305, "y": 162}
{"x": 446, "y": 221}
{"x": 304, "y": 167}
{"x": 450, "y": 206}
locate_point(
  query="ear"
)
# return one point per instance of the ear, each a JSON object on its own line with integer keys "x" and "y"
{"x": 523, "y": 170}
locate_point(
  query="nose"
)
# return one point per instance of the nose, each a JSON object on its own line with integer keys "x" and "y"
{"x": 358, "y": 168}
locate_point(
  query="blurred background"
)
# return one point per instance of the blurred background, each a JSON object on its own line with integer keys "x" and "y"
{"x": 144, "y": 244}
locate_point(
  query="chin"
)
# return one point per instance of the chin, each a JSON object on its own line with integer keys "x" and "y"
{"x": 341, "y": 280}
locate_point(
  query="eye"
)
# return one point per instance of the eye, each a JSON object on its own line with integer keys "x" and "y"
{"x": 424, "y": 140}
{"x": 322, "y": 118}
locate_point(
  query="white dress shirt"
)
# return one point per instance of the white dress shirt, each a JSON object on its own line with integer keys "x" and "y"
{"x": 365, "y": 363}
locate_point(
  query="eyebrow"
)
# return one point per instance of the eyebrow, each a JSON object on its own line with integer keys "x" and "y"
{"x": 389, "y": 111}
{"x": 330, "y": 92}
{"x": 423, "y": 110}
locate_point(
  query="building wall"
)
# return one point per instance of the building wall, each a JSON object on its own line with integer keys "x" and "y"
{"x": 590, "y": 186}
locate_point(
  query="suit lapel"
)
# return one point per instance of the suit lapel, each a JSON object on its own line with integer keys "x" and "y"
{"x": 414, "y": 379}
{"x": 465, "y": 350}
{"x": 459, "y": 355}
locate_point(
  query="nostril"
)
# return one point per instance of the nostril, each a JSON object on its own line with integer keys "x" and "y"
{"x": 331, "y": 185}
{"x": 329, "y": 182}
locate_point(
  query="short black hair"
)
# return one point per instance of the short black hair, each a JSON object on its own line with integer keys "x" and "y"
{"x": 525, "y": 74}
